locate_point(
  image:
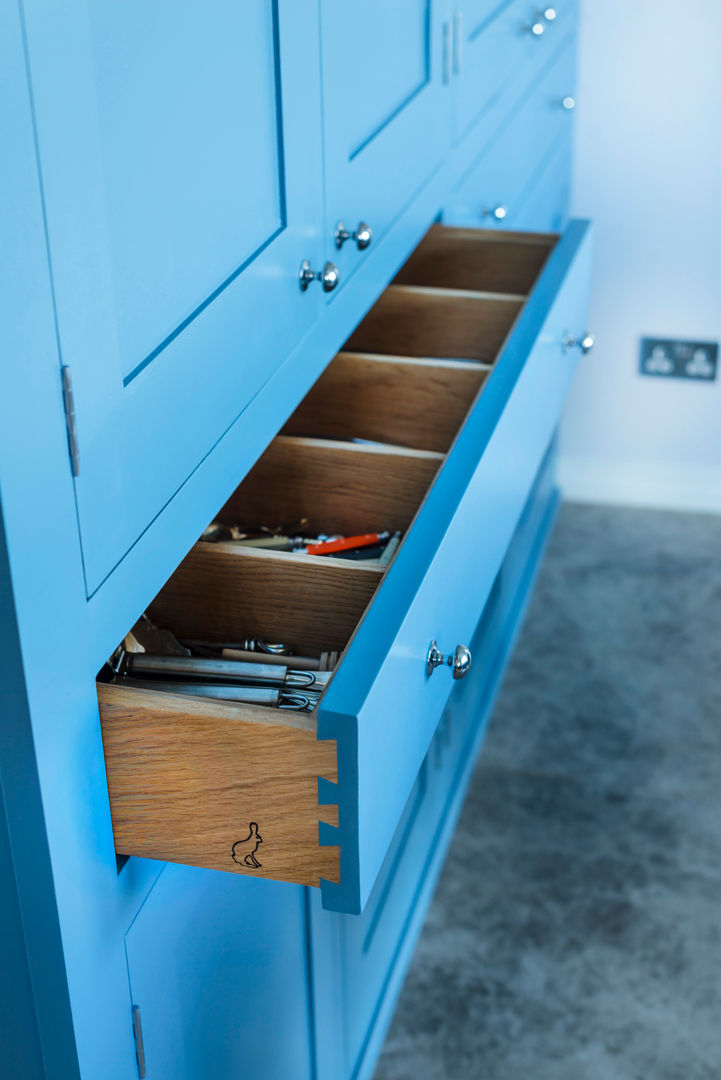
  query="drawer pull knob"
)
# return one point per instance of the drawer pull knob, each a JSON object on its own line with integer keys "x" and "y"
{"x": 329, "y": 276}
{"x": 362, "y": 236}
{"x": 585, "y": 343}
{"x": 460, "y": 660}
{"x": 537, "y": 29}
{"x": 549, "y": 14}
{"x": 568, "y": 103}
{"x": 498, "y": 213}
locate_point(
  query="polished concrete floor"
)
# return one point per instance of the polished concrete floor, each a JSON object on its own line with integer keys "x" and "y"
{"x": 576, "y": 930}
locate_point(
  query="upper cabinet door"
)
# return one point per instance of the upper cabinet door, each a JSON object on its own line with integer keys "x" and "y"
{"x": 386, "y": 113}
{"x": 179, "y": 151}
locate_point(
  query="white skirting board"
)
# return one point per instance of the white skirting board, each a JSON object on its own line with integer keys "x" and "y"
{"x": 640, "y": 484}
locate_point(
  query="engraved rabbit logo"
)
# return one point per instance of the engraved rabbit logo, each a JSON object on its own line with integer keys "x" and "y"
{"x": 244, "y": 850}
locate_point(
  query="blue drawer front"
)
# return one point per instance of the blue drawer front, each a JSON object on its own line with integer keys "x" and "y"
{"x": 513, "y": 160}
{"x": 499, "y": 53}
{"x": 381, "y": 707}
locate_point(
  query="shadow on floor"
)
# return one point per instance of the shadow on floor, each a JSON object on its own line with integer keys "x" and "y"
{"x": 576, "y": 930}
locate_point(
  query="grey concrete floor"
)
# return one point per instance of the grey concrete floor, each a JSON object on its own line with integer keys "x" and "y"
{"x": 576, "y": 930}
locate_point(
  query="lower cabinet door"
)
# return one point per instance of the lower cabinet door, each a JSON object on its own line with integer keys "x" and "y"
{"x": 431, "y": 423}
{"x": 218, "y": 976}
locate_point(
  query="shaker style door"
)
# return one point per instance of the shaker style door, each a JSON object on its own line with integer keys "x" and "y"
{"x": 179, "y": 165}
{"x": 385, "y": 106}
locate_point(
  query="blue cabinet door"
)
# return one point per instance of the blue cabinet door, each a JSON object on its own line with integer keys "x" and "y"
{"x": 218, "y": 969}
{"x": 180, "y": 168}
{"x": 385, "y": 109}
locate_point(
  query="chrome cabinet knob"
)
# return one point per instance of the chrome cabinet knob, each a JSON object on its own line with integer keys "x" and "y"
{"x": 460, "y": 660}
{"x": 328, "y": 276}
{"x": 537, "y": 29}
{"x": 362, "y": 236}
{"x": 498, "y": 213}
{"x": 568, "y": 103}
{"x": 549, "y": 14}
{"x": 585, "y": 343}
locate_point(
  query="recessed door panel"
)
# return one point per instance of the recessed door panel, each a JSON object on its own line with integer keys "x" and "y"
{"x": 384, "y": 105}
{"x": 181, "y": 176}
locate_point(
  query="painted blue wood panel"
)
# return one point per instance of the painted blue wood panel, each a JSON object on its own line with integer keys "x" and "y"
{"x": 74, "y": 906}
{"x": 219, "y": 970}
{"x": 442, "y": 578}
{"x": 385, "y": 114}
{"x": 544, "y": 204}
{"x": 498, "y": 51}
{"x": 181, "y": 178}
{"x": 509, "y": 166}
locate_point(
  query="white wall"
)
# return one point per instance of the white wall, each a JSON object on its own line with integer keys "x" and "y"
{"x": 648, "y": 171}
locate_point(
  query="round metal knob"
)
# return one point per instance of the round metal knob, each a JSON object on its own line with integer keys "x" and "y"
{"x": 362, "y": 236}
{"x": 537, "y": 29}
{"x": 460, "y": 660}
{"x": 585, "y": 343}
{"x": 328, "y": 276}
{"x": 549, "y": 14}
{"x": 498, "y": 213}
{"x": 568, "y": 103}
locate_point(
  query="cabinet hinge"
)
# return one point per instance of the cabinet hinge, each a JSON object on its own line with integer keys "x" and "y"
{"x": 138, "y": 1037}
{"x": 70, "y": 422}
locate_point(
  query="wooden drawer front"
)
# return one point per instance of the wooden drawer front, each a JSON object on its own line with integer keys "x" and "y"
{"x": 457, "y": 375}
{"x": 498, "y": 54}
{"x": 508, "y": 170}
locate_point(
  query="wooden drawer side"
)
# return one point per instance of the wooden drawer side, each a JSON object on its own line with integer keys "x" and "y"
{"x": 219, "y": 786}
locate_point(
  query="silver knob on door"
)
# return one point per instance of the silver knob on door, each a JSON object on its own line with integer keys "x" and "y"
{"x": 362, "y": 236}
{"x": 538, "y": 29}
{"x": 585, "y": 343}
{"x": 549, "y": 14}
{"x": 568, "y": 103}
{"x": 460, "y": 660}
{"x": 329, "y": 276}
{"x": 498, "y": 213}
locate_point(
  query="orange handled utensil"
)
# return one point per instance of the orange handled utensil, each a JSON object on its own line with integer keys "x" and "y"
{"x": 345, "y": 543}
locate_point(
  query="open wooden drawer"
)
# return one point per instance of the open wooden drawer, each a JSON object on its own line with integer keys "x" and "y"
{"x": 456, "y": 377}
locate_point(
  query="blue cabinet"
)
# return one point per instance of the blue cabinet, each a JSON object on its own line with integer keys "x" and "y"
{"x": 168, "y": 168}
{"x": 385, "y": 114}
{"x": 180, "y": 167}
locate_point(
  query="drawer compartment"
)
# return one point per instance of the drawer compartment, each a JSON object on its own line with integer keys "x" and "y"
{"x": 457, "y": 377}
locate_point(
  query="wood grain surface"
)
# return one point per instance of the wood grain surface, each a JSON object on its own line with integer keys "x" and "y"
{"x": 340, "y": 487}
{"x": 408, "y": 401}
{"x": 480, "y": 260}
{"x": 225, "y": 593}
{"x": 410, "y": 320}
{"x": 187, "y": 778}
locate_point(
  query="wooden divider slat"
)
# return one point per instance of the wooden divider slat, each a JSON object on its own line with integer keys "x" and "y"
{"x": 408, "y": 401}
